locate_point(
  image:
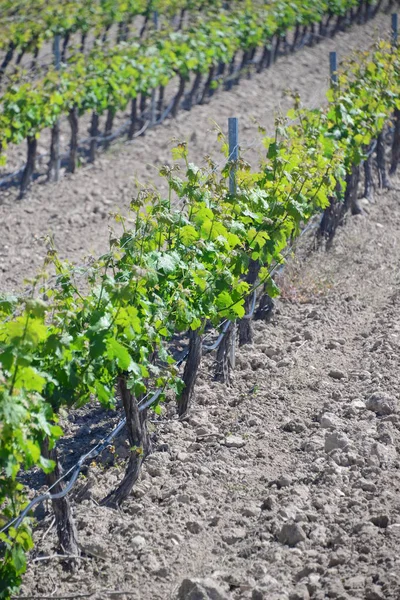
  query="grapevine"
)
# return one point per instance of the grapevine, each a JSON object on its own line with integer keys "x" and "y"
{"x": 172, "y": 271}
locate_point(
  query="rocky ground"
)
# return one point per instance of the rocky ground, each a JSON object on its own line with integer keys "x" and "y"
{"x": 286, "y": 485}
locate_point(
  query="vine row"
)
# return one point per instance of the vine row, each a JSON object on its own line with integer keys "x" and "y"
{"x": 218, "y": 49}
{"x": 176, "y": 270}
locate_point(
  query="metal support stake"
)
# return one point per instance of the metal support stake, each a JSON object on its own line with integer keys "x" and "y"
{"x": 333, "y": 67}
{"x": 57, "y": 64}
{"x": 233, "y": 130}
{"x": 153, "y": 93}
{"x": 395, "y": 29}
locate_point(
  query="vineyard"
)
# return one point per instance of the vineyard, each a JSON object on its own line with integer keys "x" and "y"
{"x": 208, "y": 51}
{"x": 185, "y": 291}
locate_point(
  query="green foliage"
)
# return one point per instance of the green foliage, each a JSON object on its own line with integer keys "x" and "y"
{"x": 171, "y": 269}
{"x": 109, "y": 78}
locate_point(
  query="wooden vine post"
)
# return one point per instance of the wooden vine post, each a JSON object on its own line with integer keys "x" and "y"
{"x": 226, "y": 350}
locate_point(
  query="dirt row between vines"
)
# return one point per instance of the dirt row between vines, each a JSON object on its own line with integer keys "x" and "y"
{"x": 286, "y": 485}
{"x": 76, "y": 211}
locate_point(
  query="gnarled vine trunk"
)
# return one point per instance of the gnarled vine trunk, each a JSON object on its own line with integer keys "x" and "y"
{"x": 73, "y": 148}
{"x": 381, "y": 160}
{"x": 66, "y": 530}
{"x": 396, "y": 143}
{"x": 207, "y": 85}
{"x": 351, "y": 195}
{"x": 178, "y": 96}
{"x": 245, "y": 327}
{"x": 225, "y": 361}
{"x": 190, "y": 372}
{"x": 192, "y": 96}
{"x": 109, "y": 126}
{"x": 93, "y": 132}
{"x": 53, "y": 168}
{"x": 133, "y": 119}
{"x": 265, "y": 307}
{"x": 30, "y": 165}
{"x": 139, "y": 441}
{"x": 368, "y": 178}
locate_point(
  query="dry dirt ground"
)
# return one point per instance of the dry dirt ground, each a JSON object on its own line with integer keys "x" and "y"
{"x": 76, "y": 211}
{"x": 286, "y": 485}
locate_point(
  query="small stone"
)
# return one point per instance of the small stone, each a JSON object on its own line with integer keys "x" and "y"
{"x": 201, "y": 589}
{"x": 336, "y": 441}
{"x": 301, "y": 593}
{"x": 284, "y": 363}
{"x": 340, "y": 557}
{"x": 183, "y": 499}
{"x": 313, "y": 314}
{"x": 162, "y": 572}
{"x": 234, "y": 535}
{"x": 329, "y": 421}
{"x": 194, "y": 526}
{"x": 176, "y": 538}
{"x": 308, "y": 335}
{"x": 183, "y": 457}
{"x": 284, "y": 481}
{"x": 366, "y": 485}
{"x": 357, "y": 582}
{"x": 295, "y": 338}
{"x": 150, "y": 562}
{"x": 154, "y": 470}
{"x": 96, "y": 549}
{"x": 291, "y": 534}
{"x": 331, "y": 345}
{"x": 138, "y": 542}
{"x": 202, "y": 430}
{"x": 393, "y": 531}
{"x": 234, "y": 441}
{"x": 202, "y": 470}
{"x": 251, "y": 511}
{"x": 358, "y": 404}
{"x": 270, "y": 351}
{"x": 294, "y": 426}
{"x": 336, "y": 374}
{"x": 362, "y": 375}
{"x": 269, "y": 503}
{"x": 380, "y": 451}
{"x": 381, "y": 521}
{"x": 134, "y": 509}
{"x": 381, "y": 404}
{"x": 374, "y": 592}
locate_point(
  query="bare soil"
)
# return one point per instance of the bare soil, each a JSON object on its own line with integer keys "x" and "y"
{"x": 284, "y": 486}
